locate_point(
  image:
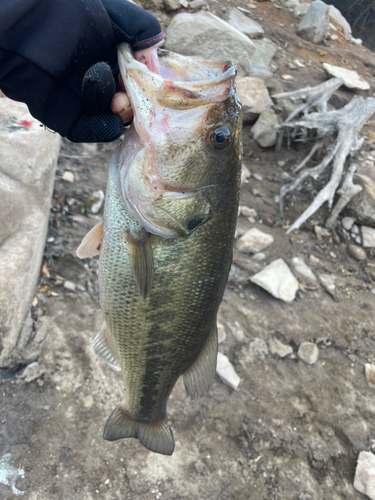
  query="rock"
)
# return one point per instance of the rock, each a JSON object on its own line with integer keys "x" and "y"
{"x": 314, "y": 26}
{"x": 70, "y": 285}
{"x": 277, "y": 348}
{"x": 221, "y": 334}
{"x": 257, "y": 349}
{"x": 357, "y": 252}
{"x": 243, "y": 23}
{"x": 171, "y": 5}
{"x": 303, "y": 269}
{"x": 287, "y": 77}
{"x": 362, "y": 206}
{"x": 197, "y": 4}
{"x": 32, "y": 372}
{"x": 68, "y": 177}
{"x": 247, "y": 212}
{"x": 259, "y": 256}
{"x": 202, "y": 35}
{"x": 347, "y": 223}
{"x": 370, "y": 374}
{"x": 239, "y": 335}
{"x": 328, "y": 284}
{"x": 336, "y": 16}
{"x": 28, "y": 157}
{"x": 302, "y": 9}
{"x": 253, "y": 241}
{"x": 184, "y": 3}
{"x": 368, "y": 237}
{"x": 94, "y": 202}
{"x": 364, "y": 479}
{"x": 245, "y": 174}
{"x": 355, "y": 230}
{"x": 226, "y": 372}
{"x": 254, "y": 97}
{"x": 278, "y": 280}
{"x": 262, "y": 57}
{"x": 352, "y": 80}
{"x": 264, "y": 131}
{"x": 308, "y": 352}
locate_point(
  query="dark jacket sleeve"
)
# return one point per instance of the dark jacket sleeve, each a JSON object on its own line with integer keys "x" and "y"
{"x": 46, "y": 46}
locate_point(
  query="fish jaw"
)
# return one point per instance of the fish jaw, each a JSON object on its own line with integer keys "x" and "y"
{"x": 171, "y": 178}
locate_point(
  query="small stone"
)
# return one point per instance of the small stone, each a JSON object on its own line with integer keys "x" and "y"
{"x": 243, "y": 23}
{"x": 171, "y": 5}
{"x": 197, "y": 4}
{"x": 368, "y": 237}
{"x": 258, "y": 177}
{"x": 247, "y": 212}
{"x": 32, "y": 372}
{"x": 68, "y": 177}
{"x": 264, "y": 131}
{"x": 328, "y": 284}
{"x": 254, "y": 97}
{"x": 301, "y": 268}
{"x": 355, "y": 230}
{"x": 364, "y": 479}
{"x": 358, "y": 240}
{"x": 314, "y": 26}
{"x": 245, "y": 175}
{"x": 347, "y": 223}
{"x": 314, "y": 260}
{"x": 277, "y": 348}
{"x": 278, "y": 280}
{"x": 221, "y": 334}
{"x": 352, "y": 80}
{"x": 357, "y": 252}
{"x": 258, "y": 349}
{"x": 259, "y": 256}
{"x": 69, "y": 285}
{"x": 338, "y": 18}
{"x": 308, "y": 352}
{"x": 94, "y": 202}
{"x": 299, "y": 63}
{"x": 287, "y": 77}
{"x": 254, "y": 241}
{"x": 370, "y": 374}
{"x": 239, "y": 335}
{"x": 184, "y": 3}
{"x": 226, "y": 372}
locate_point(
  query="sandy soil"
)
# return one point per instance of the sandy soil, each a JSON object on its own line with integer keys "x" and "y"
{"x": 290, "y": 432}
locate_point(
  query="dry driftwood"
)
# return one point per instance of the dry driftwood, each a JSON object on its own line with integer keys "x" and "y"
{"x": 339, "y": 127}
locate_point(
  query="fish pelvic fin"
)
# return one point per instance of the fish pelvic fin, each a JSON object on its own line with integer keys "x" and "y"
{"x": 92, "y": 242}
{"x": 155, "y": 436}
{"x": 103, "y": 349}
{"x": 140, "y": 251}
{"x": 200, "y": 376}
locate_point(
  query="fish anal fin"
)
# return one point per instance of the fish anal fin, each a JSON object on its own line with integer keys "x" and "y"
{"x": 103, "y": 350}
{"x": 140, "y": 251}
{"x": 199, "y": 377}
{"x": 155, "y": 436}
{"x": 92, "y": 242}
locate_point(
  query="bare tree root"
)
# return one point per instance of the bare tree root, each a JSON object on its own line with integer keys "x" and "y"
{"x": 347, "y": 191}
{"x": 340, "y": 126}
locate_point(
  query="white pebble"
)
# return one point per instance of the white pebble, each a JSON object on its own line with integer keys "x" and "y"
{"x": 226, "y": 372}
{"x": 68, "y": 177}
{"x": 308, "y": 352}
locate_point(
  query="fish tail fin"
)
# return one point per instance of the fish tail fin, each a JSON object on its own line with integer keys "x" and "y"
{"x": 155, "y": 436}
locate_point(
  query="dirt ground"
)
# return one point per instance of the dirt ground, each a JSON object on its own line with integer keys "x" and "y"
{"x": 291, "y": 431}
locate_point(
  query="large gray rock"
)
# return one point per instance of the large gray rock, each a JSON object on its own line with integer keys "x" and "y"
{"x": 207, "y": 36}
{"x": 314, "y": 26}
{"x": 278, "y": 280}
{"x": 262, "y": 57}
{"x": 351, "y": 78}
{"x": 254, "y": 97}
{"x": 264, "y": 130}
{"x": 336, "y": 16}
{"x": 243, "y": 23}
{"x": 364, "y": 479}
{"x": 28, "y": 156}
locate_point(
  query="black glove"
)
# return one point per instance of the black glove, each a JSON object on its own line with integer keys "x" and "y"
{"x": 46, "y": 48}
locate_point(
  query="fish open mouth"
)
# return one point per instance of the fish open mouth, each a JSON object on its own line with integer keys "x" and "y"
{"x": 169, "y": 137}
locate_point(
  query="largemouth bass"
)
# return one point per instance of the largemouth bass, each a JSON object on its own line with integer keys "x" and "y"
{"x": 166, "y": 242}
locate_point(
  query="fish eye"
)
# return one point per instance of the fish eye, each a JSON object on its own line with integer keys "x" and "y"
{"x": 220, "y": 138}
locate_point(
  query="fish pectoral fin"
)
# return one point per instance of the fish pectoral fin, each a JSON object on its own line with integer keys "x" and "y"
{"x": 140, "y": 251}
{"x": 155, "y": 436}
{"x": 199, "y": 377}
{"x": 92, "y": 242}
{"x": 103, "y": 350}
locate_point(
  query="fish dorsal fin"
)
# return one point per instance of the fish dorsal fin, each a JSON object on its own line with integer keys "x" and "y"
{"x": 103, "y": 350}
{"x": 92, "y": 242}
{"x": 199, "y": 377}
{"x": 140, "y": 251}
